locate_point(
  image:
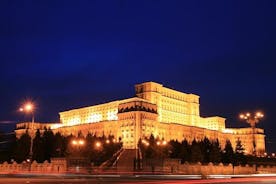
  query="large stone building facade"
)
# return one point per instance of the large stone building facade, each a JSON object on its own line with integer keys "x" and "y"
{"x": 158, "y": 110}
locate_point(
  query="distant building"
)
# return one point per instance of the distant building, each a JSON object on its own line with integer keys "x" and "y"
{"x": 163, "y": 112}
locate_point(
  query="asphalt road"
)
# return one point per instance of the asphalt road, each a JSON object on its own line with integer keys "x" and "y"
{"x": 131, "y": 180}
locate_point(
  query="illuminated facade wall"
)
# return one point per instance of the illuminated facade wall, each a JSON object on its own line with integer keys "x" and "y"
{"x": 213, "y": 123}
{"x": 173, "y": 106}
{"x": 97, "y": 113}
{"x": 157, "y": 110}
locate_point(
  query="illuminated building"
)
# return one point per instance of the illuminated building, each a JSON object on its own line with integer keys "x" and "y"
{"x": 163, "y": 112}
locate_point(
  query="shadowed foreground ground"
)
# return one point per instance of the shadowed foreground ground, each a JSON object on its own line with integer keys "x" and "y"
{"x": 168, "y": 179}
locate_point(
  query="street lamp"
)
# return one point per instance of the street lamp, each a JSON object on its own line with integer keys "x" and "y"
{"x": 29, "y": 108}
{"x": 252, "y": 121}
{"x": 98, "y": 144}
{"x": 146, "y": 143}
{"x": 78, "y": 142}
{"x": 164, "y": 143}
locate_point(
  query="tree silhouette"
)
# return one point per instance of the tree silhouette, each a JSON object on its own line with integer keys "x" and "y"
{"x": 215, "y": 152}
{"x": 206, "y": 148}
{"x": 239, "y": 148}
{"x": 228, "y": 153}
{"x": 22, "y": 148}
{"x": 59, "y": 146}
{"x": 240, "y": 158}
{"x": 196, "y": 153}
{"x": 38, "y": 147}
{"x": 175, "y": 149}
{"x": 185, "y": 150}
{"x": 48, "y": 140}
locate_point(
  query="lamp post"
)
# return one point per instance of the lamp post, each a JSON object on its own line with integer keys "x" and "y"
{"x": 29, "y": 108}
{"x": 78, "y": 144}
{"x": 77, "y": 160}
{"x": 252, "y": 121}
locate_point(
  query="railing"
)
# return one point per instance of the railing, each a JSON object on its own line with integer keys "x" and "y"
{"x": 112, "y": 161}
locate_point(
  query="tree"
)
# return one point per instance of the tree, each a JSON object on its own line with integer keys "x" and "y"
{"x": 185, "y": 150}
{"x": 196, "y": 154}
{"x": 239, "y": 148}
{"x": 156, "y": 148}
{"x": 240, "y": 158}
{"x": 228, "y": 153}
{"x": 215, "y": 152}
{"x": 150, "y": 151}
{"x": 88, "y": 152}
{"x": 206, "y": 147}
{"x": 175, "y": 149}
{"x": 22, "y": 148}
{"x": 59, "y": 146}
{"x": 38, "y": 148}
{"x": 48, "y": 141}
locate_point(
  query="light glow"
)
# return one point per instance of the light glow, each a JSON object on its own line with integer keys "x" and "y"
{"x": 27, "y": 107}
{"x": 247, "y": 116}
{"x": 259, "y": 115}
{"x": 55, "y": 126}
{"x": 78, "y": 142}
{"x": 227, "y": 131}
{"x": 145, "y": 142}
{"x": 98, "y": 144}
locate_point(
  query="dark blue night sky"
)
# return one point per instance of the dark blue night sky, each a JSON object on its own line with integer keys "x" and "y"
{"x": 69, "y": 54}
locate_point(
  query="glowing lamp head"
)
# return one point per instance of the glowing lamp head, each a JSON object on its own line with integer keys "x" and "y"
{"x": 74, "y": 142}
{"x": 29, "y": 107}
{"x": 81, "y": 142}
{"x": 158, "y": 143}
{"x": 244, "y": 116}
{"x": 107, "y": 141}
{"x": 164, "y": 143}
{"x": 241, "y": 116}
{"x": 98, "y": 144}
{"x": 145, "y": 142}
{"x": 259, "y": 115}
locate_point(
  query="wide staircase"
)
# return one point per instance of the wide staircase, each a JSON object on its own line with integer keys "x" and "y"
{"x": 121, "y": 162}
{"x": 125, "y": 162}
